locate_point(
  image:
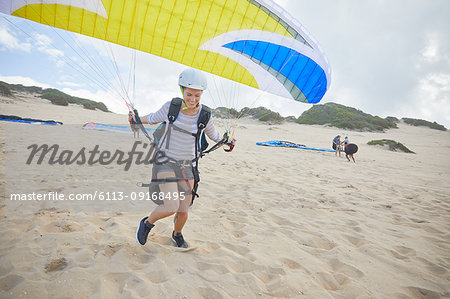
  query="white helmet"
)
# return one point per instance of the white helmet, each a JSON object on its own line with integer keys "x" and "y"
{"x": 193, "y": 79}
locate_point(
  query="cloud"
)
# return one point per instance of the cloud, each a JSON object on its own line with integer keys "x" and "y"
{"x": 26, "y": 81}
{"x": 45, "y": 44}
{"x": 432, "y": 99}
{"x": 69, "y": 84}
{"x": 386, "y": 56}
{"x": 10, "y": 42}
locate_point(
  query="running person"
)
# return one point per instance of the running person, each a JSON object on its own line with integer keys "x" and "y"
{"x": 178, "y": 148}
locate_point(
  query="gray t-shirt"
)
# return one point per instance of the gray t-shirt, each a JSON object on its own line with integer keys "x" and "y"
{"x": 182, "y": 145}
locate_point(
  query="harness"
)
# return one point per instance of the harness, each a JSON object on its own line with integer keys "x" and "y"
{"x": 163, "y": 133}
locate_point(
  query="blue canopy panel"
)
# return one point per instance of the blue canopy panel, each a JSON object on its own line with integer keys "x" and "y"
{"x": 111, "y": 128}
{"x": 280, "y": 143}
{"x": 300, "y": 75}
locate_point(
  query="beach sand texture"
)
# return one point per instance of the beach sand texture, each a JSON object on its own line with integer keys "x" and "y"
{"x": 269, "y": 223}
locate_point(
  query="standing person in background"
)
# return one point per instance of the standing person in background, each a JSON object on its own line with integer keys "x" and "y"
{"x": 337, "y": 144}
{"x": 346, "y": 141}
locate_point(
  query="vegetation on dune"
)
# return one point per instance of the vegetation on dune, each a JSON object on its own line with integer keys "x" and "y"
{"x": 60, "y": 98}
{"x": 4, "y": 90}
{"x": 344, "y": 117}
{"x": 393, "y": 119}
{"x": 290, "y": 119}
{"x": 21, "y": 88}
{"x": 330, "y": 114}
{"x": 55, "y": 96}
{"x": 88, "y": 104}
{"x": 391, "y": 144}
{"x": 262, "y": 114}
{"x": 224, "y": 112}
{"x": 420, "y": 122}
{"x": 259, "y": 113}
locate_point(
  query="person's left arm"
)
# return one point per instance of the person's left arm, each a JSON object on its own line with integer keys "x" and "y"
{"x": 212, "y": 132}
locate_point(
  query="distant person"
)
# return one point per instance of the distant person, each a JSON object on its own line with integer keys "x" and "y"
{"x": 337, "y": 144}
{"x": 346, "y": 141}
{"x": 350, "y": 149}
{"x": 134, "y": 127}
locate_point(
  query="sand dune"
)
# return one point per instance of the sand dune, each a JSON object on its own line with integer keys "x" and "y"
{"x": 270, "y": 222}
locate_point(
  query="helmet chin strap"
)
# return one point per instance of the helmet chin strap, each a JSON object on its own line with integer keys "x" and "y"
{"x": 186, "y": 106}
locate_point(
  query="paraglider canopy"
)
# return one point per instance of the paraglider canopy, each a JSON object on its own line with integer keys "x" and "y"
{"x": 253, "y": 42}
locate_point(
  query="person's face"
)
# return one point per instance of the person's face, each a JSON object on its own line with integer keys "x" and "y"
{"x": 192, "y": 97}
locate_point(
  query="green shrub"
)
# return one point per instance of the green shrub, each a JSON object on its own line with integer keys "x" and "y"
{"x": 344, "y": 117}
{"x": 60, "y": 101}
{"x": 420, "y": 122}
{"x": 4, "y": 90}
{"x": 391, "y": 144}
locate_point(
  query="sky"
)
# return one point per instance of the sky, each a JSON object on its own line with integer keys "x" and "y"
{"x": 388, "y": 58}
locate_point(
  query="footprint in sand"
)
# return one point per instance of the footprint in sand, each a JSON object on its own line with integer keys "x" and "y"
{"x": 355, "y": 240}
{"x": 241, "y": 250}
{"x": 270, "y": 275}
{"x": 56, "y": 265}
{"x": 331, "y": 282}
{"x": 218, "y": 268}
{"x": 9, "y": 282}
{"x": 111, "y": 249}
{"x": 417, "y": 292}
{"x": 319, "y": 242}
{"x": 398, "y": 255}
{"x": 405, "y": 251}
{"x": 239, "y": 234}
{"x": 433, "y": 268}
{"x": 159, "y": 272}
{"x": 209, "y": 293}
{"x": 241, "y": 265}
{"x": 345, "y": 269}
{"x": 291, "y": 264}
{"x": 58, "y": 226}
{"x": 281, "y": 221}
{"x": 119, "y": 283}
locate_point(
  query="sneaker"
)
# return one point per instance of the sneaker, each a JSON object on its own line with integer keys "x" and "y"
{"x": 143, "y": 230}
{"x": 178, "y": 240}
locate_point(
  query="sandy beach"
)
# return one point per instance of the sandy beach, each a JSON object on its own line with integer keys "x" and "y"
{"x": 269, "y": 222}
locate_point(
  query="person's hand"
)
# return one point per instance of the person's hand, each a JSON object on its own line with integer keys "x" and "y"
{"x": 231, "y": 142}
{"x": 131, "y": 117}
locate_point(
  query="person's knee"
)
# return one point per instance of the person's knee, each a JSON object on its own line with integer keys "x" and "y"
{"x": 172, "y": 206}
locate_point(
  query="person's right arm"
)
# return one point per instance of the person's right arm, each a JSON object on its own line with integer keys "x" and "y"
{"x": 156, "y": 117}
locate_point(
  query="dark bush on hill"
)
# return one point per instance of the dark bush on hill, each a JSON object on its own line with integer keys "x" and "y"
{"x": 4, "y": 90}
{"x": 391, "y": 144}
{"x": 420, "y": 122}
{"x": 344, "y": 117}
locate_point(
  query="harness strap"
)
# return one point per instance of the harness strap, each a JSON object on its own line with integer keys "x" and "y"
{"x": 141, "y": 126}
{"x": 160, "y": 157}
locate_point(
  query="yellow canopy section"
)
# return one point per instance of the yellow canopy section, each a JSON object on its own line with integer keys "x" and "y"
{"x": 168, "y": 28}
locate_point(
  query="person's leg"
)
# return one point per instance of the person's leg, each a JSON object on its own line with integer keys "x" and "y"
{"x": 170, "y": 207}
{"x": 182, "y": 213}
{"x": 171, "y": 204}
